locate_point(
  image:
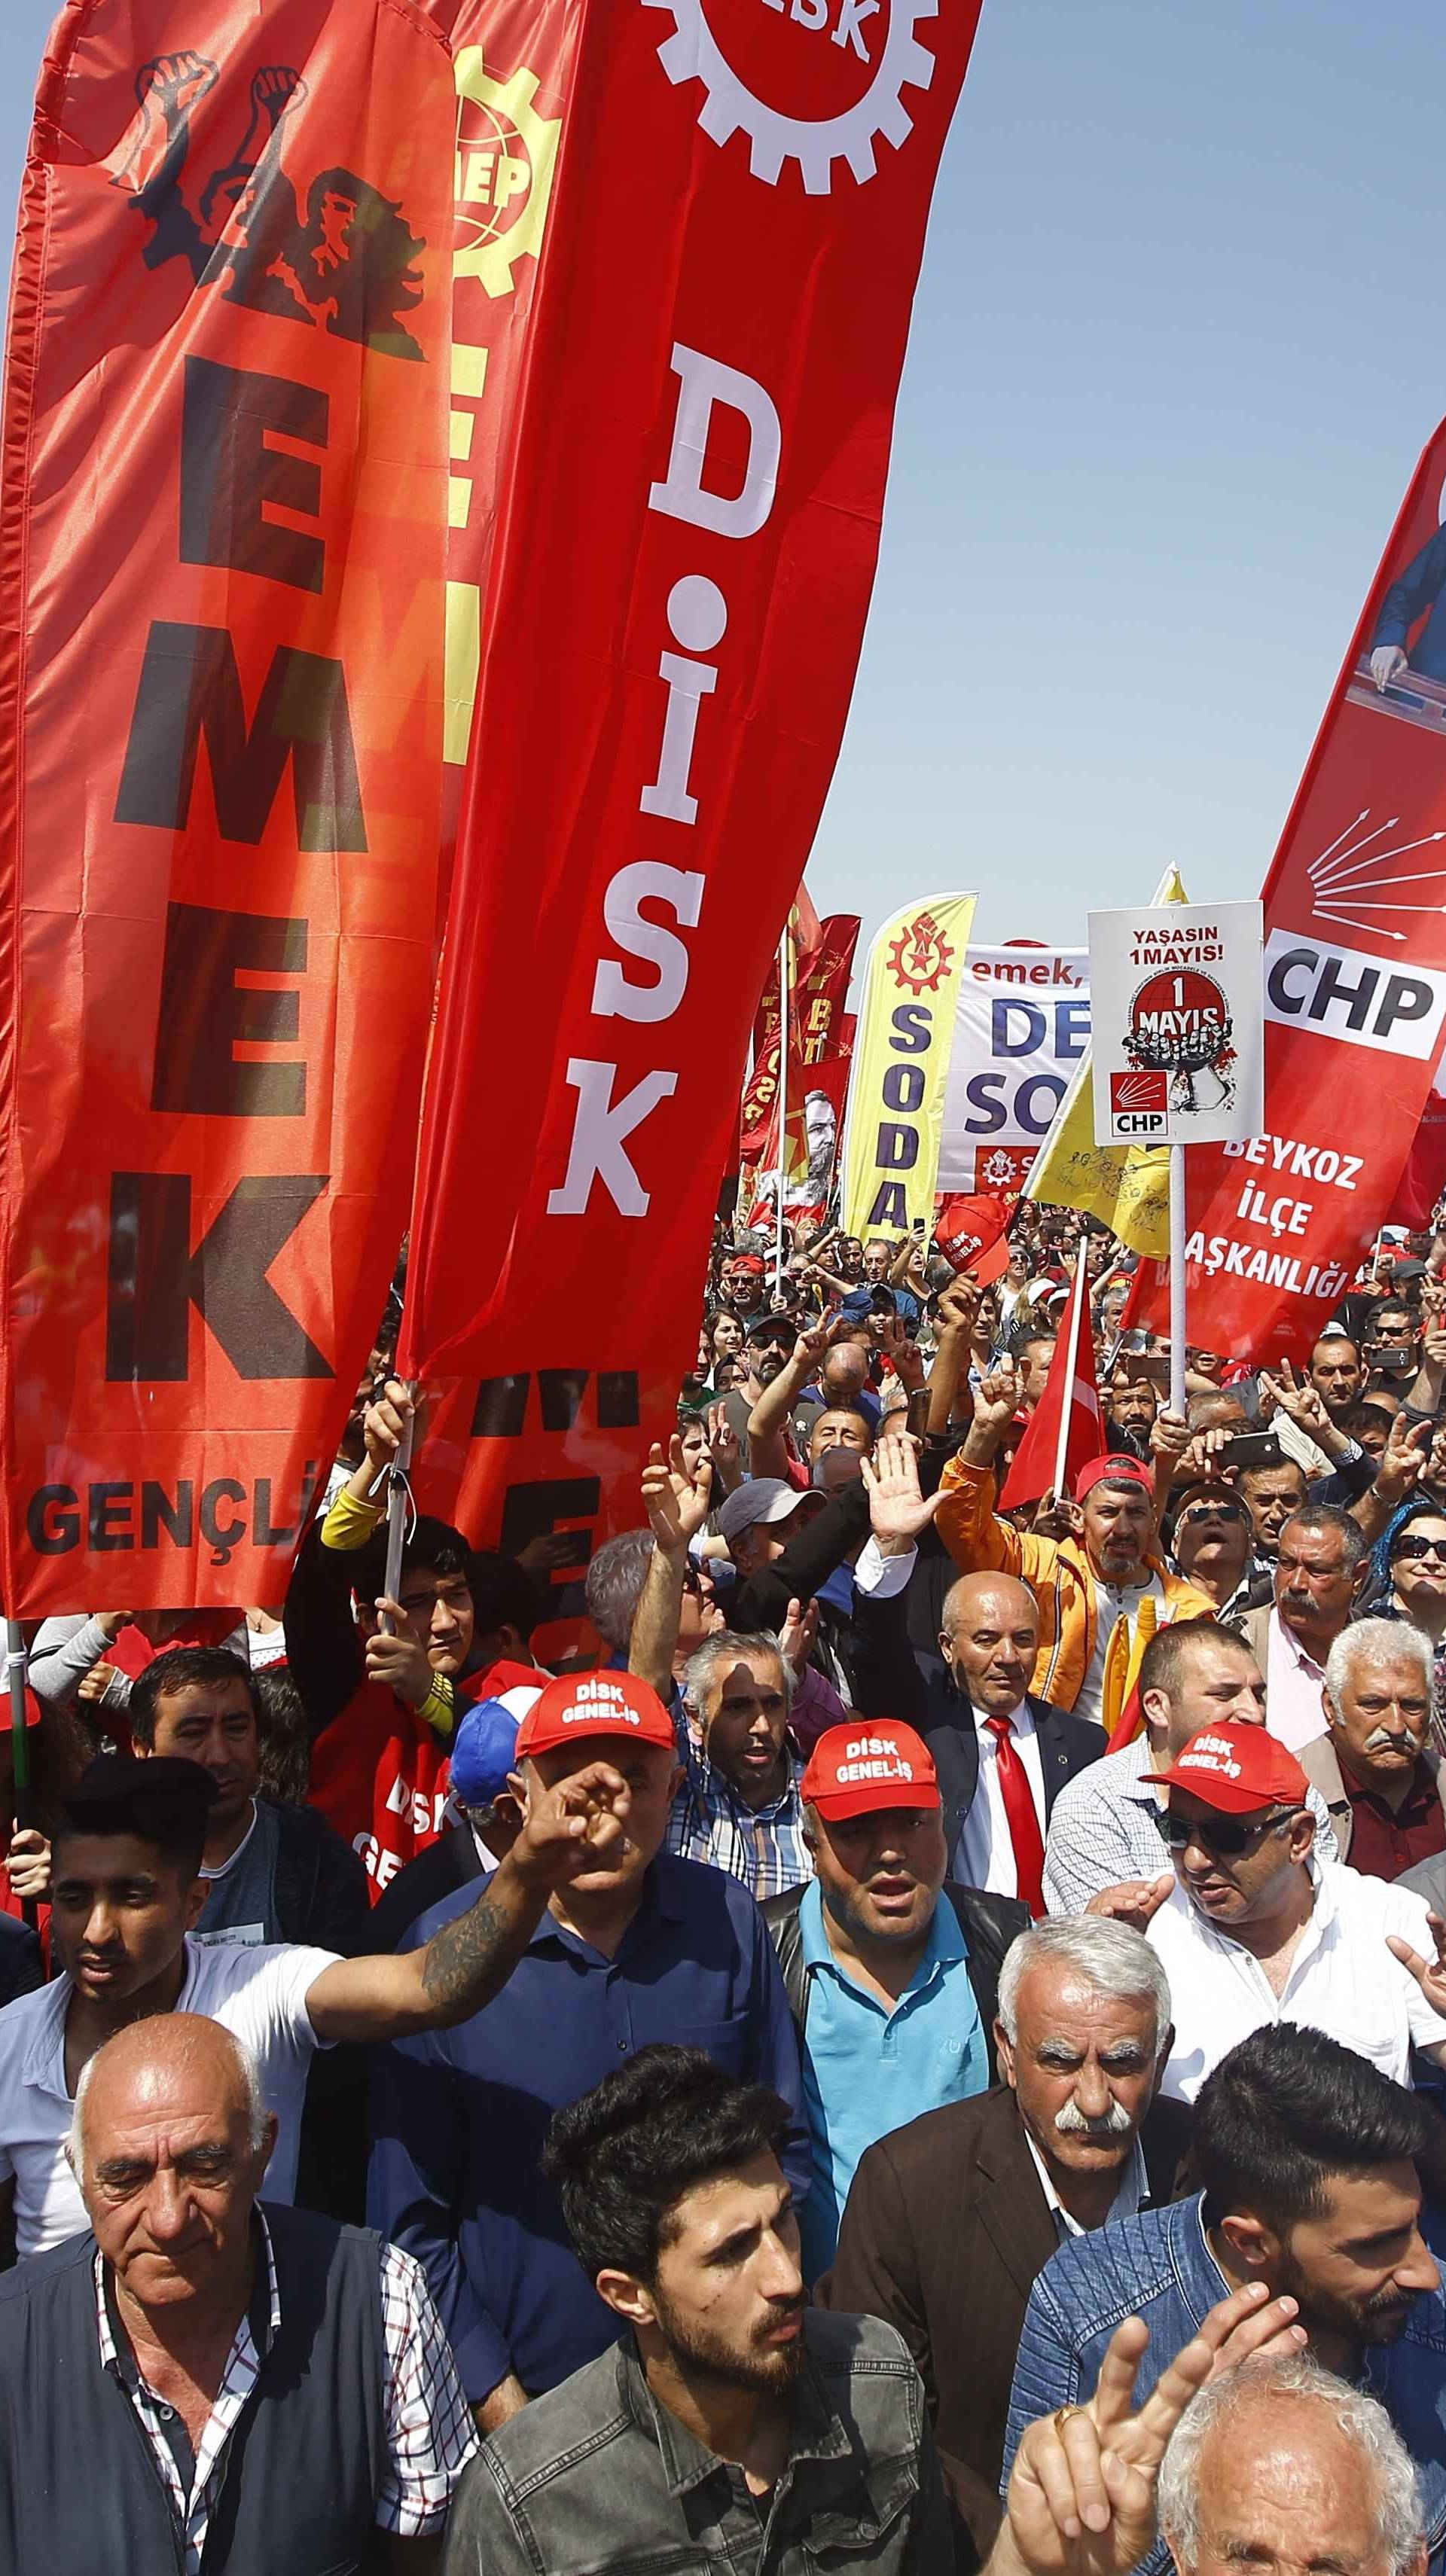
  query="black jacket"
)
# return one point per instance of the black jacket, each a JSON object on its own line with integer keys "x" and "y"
{"x": 890, "y": 1684}
{"x": 447, "y": 1864}
{"x": 988, "y": 1923}
{"x": 322, "y": 1892}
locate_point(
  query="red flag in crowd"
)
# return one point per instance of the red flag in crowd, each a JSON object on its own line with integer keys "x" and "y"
{"x": 679, "y": 579}
{"x": 1355, "y": 978}
{"x": 1424, "y": 1178}
{"x": 221, "y": 625}
{"x": 1066, "y": 1428}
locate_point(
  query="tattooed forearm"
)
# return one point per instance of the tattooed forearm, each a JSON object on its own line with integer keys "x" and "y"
{"x": 470, "y": 1960}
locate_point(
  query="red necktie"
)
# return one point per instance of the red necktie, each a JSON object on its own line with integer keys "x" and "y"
{"x": 1019, "y": 1807}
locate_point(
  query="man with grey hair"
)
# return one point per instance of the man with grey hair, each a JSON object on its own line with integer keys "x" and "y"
{"x": 739, "y": 1804}
{"x": 1315, "y": 2476}
{"x": 1375, "y": 1767}
{"x": 614, "y": 1585}
{"x": 244, "y": 2386}
{"x": 950, "y": 2219}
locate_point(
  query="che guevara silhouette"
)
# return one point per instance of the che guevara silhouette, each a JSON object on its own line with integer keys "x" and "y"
{"x": 343, "y": 258}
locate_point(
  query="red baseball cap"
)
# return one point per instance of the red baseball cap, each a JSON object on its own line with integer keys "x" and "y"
{"x": 1116, "y": 1468}
{"x": 595, "y": 1704}
{"x": 751, "y": 1262}
{"x": 854, "y": 1769}
{"x": 1237, "y": 1767}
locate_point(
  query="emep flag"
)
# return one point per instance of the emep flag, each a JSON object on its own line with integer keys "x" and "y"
{"x": 1355, "y": 976}
{"x": 221, "y": 627}
{"x": 1020, "y": 1032}
{"x": 676, "y": 598}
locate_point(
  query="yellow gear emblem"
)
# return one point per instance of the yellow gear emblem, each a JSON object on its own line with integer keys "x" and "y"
{"x": 505, "y": 158}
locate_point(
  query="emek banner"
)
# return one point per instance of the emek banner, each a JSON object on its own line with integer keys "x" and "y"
{"x": 221, "y": 627}
{"x": 1355, "y": 977}
{"x": 685, "y": 548}
{"x": 1022, "y": 1031}
{"x": 901, "y": 1067}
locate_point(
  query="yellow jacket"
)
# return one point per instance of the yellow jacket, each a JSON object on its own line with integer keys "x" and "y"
{"x": 1057, "y": 1572}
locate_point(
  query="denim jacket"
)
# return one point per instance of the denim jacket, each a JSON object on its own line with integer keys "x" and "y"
{"x": 1159, "y": 2266}
{"x": 598, "y": 2479}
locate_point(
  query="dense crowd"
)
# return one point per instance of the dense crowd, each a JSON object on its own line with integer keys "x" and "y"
{"x": 921, "y": 2049}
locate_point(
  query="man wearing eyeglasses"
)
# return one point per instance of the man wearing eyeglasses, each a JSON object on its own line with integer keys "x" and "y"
{"x": 1253, "y": 1929}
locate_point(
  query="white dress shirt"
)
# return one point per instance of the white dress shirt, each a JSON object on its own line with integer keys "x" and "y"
{"x": 1128, "y": 2201}
{"x": 1293, "y": 1683}
{"x": 1343, "y": 1979}
{"x": 1113, "y": 1602}
{"x": 985, "y": 1857}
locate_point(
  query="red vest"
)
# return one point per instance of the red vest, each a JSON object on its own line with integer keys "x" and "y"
{"x": 380, "y": 1778}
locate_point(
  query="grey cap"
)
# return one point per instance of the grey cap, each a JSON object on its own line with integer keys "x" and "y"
{"x": 759, "y": 1499}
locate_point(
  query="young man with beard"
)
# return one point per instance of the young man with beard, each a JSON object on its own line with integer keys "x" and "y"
{"x": 732, "y": 2426}
{"x": 1309, "y": 2160}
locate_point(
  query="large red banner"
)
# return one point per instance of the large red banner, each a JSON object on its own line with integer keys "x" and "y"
{"x": 221, "y": 626}
{"x": 1355, "y": 976}
{"x": 670, "y": 636}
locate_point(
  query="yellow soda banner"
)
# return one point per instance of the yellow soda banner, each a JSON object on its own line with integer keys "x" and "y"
{"x": 901, "y": 1066}
{"x": 1126, "y": 1186}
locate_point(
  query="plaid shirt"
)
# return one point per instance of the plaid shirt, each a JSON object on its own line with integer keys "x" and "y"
{"x": 429, "y": 2430}
{"x": 763, "y": 1846}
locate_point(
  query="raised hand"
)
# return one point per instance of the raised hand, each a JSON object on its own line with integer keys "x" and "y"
{"x": 396, "y": 1659}
{"x": 677, "y": 1499}
{"x": 797, "y": 1635}
{"x": 1134, "y": 1901}
{"x": 575, "y": 1826}
{"x": 996, "y": 1399}
{"x": 1296, "y": 1397}
{"x": 1081, "y": 2498}
{"x": 897, "y": 1509}
{"x": 958, "y": 1307}
{"x": 1402, "y": 1459}
{"x": 1430, "y": 1976}
{"x": 385, "y": 1423}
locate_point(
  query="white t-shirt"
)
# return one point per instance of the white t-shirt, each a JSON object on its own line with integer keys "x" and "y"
{"x": 1343, "y": 1979}
{"x": 1113, "y": 1602}
{"x": 258, "y": 1994}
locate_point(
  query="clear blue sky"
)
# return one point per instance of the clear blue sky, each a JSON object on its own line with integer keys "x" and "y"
{"x": 1178, "y": 342}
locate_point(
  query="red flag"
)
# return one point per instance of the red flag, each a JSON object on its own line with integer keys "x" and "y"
{"x": 1355, "y": 977}
{"x": 1066, "y": 1428}
{"x": 674, "y": 611}
{"x": 221, "y": 623}
{"x": 967, "y": 1231}
{"x": 1424, "y": 1178}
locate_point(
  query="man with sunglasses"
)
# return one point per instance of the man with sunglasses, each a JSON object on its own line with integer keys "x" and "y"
{"x": 1103, "y": 1825}
{"x": 1253, "y": 1929}
{"x": 1210, "y": 1540}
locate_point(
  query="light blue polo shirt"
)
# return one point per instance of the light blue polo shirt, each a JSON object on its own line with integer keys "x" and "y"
{"x": 867, "y": 2071}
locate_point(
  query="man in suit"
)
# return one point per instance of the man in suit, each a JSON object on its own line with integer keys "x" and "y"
{"x": 950, "y": 2219}
{"x": 1002, "y": 1755}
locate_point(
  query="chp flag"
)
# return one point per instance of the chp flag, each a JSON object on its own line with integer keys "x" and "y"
{"x": 222, "y": 526}
{"x": 901, "y": 1067}
{"x": 1355, "y": 976}
{"x": 1178, "y": 1055}
{"x": 679, "y": 574}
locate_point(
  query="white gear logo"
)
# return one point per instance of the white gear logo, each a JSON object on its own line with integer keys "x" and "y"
{"x": 998, "y": 1169}
{"x": 691, "y": 53}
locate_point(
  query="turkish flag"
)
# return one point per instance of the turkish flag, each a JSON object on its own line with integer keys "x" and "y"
{"x": 1424, "y": 1177}
{"x": 1070, "y": 1388}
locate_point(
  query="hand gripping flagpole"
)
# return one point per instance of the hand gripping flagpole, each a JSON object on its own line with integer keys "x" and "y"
{"x": 21, "y": 1795}
{"x": 400, "y": 1507}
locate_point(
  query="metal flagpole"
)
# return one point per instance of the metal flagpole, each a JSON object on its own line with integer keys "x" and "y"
{"x": 1076, "y": 1304}
{"x": 399, "y": 1504}
{"x": 783, "y": 979}
{"x": 22, "y": 1800}
{"x": 1177, "y": 1279}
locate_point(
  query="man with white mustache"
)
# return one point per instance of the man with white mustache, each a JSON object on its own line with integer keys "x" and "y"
{"x": 1374, "y": 1768}
{"x": 950, "y": 2219}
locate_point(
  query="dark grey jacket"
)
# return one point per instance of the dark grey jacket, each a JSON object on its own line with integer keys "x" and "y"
{"x": 597, "y": 2479}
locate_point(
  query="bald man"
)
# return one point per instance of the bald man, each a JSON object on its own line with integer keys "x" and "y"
{"x": 242, "y": 2387}
{"x": 1001, "y": 1754}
